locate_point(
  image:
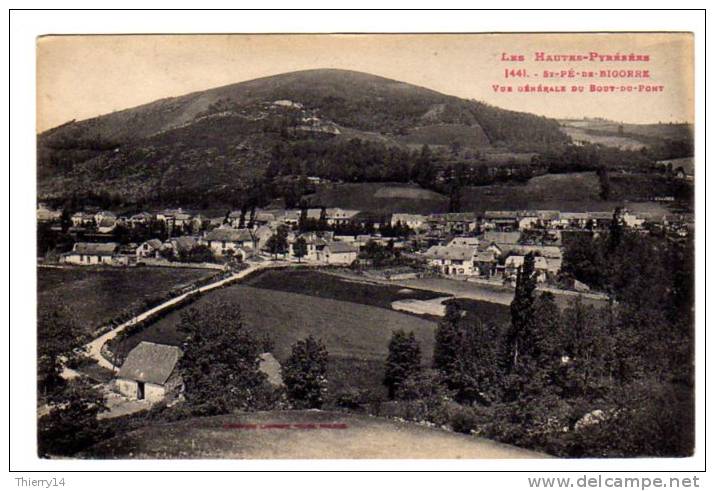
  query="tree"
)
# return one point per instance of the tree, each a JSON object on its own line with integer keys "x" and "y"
{"x": 300, "y": 248}
{"x": 403, "y": 360}
{"x": 517, "y": 342}
{"x": 304, "y": 373}
{"x": 59, "y": 345}
{"x": 605, "y": 183}
{"x": 447, "y": 339}
{"x": 278, "y": 242}
{"x": 71, "y": 424}
{"x": 466, "y": 356}
{"x": 220, "y": 359}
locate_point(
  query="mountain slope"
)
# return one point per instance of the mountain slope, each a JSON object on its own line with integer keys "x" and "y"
{"x": 223, "y": 137}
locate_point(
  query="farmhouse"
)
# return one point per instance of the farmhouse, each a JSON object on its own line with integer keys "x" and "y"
{"x": 222, "y": 240}
{"x": 150, "y": 373}
{"x": 89, "y": 253}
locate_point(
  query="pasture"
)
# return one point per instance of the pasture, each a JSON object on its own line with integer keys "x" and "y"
{"x": 95, "y": 295}
{"x": 356, "y": 335}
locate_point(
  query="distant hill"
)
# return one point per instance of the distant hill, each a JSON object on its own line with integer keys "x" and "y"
{"x": 215, "y": 141}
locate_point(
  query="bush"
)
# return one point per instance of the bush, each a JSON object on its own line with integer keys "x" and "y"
{"x": 350, "y": 399}
{"x": 464, "y": 421}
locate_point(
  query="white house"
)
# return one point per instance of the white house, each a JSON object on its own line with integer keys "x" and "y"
{"x": 339, "y": 216}
{"x": 81, "y": 219}
{"x": 223, "y": 239}
{"x": 88, "y": 253}
{"x": 452, "y": 261}
{"x": 149, "y": 372}
{"x": 150, "y": 248}
{"x": 339, "y": 253}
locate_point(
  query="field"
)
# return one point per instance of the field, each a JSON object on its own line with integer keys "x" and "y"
{"x": 622, "y": 142}
{"x": 96, "y": 295}
{"x": 578, "y": 191}
{"x": 355, "y": 335}
{"x": 299, "y": 435}
{"x": 380, "y": 198}
{"x": 324, "y": 285}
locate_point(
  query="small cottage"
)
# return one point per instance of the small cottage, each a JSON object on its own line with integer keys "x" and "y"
{"x": 150, "y": 372}
{"x": 340, "y": 253}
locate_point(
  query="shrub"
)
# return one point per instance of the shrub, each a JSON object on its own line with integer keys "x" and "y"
{"x": 463, "y": 421}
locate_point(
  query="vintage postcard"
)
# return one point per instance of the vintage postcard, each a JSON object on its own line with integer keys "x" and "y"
{"x": 365, "y": 246}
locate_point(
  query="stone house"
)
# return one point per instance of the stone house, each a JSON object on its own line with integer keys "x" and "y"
{"x": 150, "y": 372}
{"x": 90, "y": 253}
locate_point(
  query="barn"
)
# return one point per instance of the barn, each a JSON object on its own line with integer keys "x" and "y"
{"x": 150, "y": 372}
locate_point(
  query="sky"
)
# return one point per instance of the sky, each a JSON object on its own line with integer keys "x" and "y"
{"x": 79, "y": 77}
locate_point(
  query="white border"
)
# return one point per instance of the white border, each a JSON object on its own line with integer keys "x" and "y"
{"x": 25, "y": 26}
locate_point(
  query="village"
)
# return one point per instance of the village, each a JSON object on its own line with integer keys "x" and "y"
{"x": 466, "y": 246}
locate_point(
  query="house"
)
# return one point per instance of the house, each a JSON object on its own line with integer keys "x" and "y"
{"x": 485, "y": 263}
{"x": 552, "y": 254}
{"x": 574, "y": 220}
{"x": 141, "y": 218}
{"x": 452, "y": 223}
{"x": 339, "y": 216}
{"x": 261, "y": 236}
{"x": 224, "y": 239}
{"x": 102, "y": 214}
{"x": 89, "y": 253}
{"x": 82, "y": 219}
{"x": 452, "y": 261}
{"x": 514, "y": 263}
{"x": 339, "y": 253}
{"x": 415, "y": 222}
{"x": 315, "y": 246}
{"x": 150, "y": 248}
{"x": 539, "y": 219}
{"x": 502, "y": 241}
{"x": 501, "y": 220}
{"x": 150, "y": 372}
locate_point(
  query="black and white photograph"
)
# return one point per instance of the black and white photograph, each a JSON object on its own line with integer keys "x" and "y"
{"x": 330, "y": 250}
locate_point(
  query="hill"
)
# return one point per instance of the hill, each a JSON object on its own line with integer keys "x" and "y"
{"x": 299, "y": 435}
{"x": 213, "y": 143}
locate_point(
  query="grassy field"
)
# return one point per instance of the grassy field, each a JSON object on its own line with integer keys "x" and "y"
{"x": 299, "y": 435}
{"x": 96, "y": 295}
{"x": 622, "y": 142}
{"x": 317, "y": 284}
{"x": 380, "y": 198}
{"x": 578, "y": 191}
{"x": 356, "y": 335}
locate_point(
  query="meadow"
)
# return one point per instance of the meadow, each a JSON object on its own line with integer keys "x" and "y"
{"x": 95, "y": 295}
